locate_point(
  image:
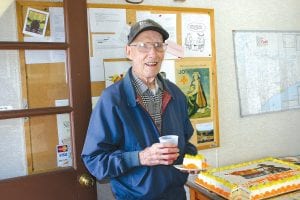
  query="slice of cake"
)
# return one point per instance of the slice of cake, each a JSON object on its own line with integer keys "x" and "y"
{"x": 194, "y": 162}
{"x": 258, "y": 179}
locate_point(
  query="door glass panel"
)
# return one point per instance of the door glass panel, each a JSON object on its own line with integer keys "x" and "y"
{"x": 34, "y": 145}
{"x": 34, "y": 23}
{"x": 33, "y": 79}
{"x": 10, "y": 78}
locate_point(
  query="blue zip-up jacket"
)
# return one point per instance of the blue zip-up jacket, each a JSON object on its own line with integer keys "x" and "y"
{"x": 120, "y": 128}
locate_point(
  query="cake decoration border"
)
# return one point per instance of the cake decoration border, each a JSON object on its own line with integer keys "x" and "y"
{"x": 233, "y": 186}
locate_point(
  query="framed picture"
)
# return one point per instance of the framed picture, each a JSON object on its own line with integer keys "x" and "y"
{"x": 35, "y": 22}
{"x": 205, "y": 134}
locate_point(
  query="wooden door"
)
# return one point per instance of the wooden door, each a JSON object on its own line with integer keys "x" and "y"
{"x": 68, "y": 183}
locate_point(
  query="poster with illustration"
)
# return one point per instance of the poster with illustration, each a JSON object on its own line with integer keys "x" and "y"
{"x": 35, "y": 22}
{"x": 115, "y": 71}
{"x": 196, "y": 35}
{"x": 194, "y": 81}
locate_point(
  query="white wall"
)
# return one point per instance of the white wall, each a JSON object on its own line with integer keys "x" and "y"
{"x": 274, "y": 134}
{"x": 253, "y": 137}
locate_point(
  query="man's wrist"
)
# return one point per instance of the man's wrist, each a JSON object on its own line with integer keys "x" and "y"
{"x": 141, "y": 157}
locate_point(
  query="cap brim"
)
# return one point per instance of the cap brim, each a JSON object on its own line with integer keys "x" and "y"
{"x": 164, "y": 33}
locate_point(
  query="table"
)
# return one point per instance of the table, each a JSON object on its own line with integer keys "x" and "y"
{"x": 198, "y": 192}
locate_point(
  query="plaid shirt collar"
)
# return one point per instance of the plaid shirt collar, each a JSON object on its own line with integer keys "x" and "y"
{"x": 142, "y": 88}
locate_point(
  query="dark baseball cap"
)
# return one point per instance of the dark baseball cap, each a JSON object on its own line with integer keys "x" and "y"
{"x": 145, "y": 25}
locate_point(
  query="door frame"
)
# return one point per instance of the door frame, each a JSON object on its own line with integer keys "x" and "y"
{"x": 60, "y": 184}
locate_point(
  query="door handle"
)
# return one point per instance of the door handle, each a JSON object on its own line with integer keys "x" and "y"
{"x": 86, "y": 180}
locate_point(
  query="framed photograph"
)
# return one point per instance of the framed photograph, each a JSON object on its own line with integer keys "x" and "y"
{"x": 35, "y": 22}
{"x": 206, "y": 135}
{"x": 205, "y": 132}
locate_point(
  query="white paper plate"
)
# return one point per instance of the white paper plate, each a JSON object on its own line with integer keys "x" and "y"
{"x": 191, "y": 171}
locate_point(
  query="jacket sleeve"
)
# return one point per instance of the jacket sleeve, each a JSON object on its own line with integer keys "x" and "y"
{"x": 101, "y": 153}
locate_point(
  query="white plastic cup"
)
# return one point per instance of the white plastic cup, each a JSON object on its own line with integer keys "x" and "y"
{"x": 169, "y": 139}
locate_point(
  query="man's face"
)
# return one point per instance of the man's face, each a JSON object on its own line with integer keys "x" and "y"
{"x": 146, "y": 63}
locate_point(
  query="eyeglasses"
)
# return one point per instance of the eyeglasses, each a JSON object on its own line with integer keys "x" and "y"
{"x": 145, "y": 47}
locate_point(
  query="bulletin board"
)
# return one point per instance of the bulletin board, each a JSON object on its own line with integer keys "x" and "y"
{"x": 190, "y": 60}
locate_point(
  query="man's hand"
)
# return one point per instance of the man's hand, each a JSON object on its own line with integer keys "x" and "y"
{"x": 159, "y": 154}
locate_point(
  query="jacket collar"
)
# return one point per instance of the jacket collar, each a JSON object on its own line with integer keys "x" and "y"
{"x": 130, "y": 91}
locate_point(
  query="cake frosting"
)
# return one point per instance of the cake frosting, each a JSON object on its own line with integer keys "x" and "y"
{"x": 252, "y": 180}
{"x": 194, "y": 161}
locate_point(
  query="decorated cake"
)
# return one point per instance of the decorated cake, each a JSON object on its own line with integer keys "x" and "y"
{"x": 254, "y": 180}
{"x": 194, "y": 162}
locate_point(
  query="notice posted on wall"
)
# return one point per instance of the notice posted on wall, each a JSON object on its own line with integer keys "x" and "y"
{"x": 63, "y": 155}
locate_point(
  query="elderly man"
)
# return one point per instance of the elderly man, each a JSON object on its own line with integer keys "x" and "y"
{"x": 122, "y": 141}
